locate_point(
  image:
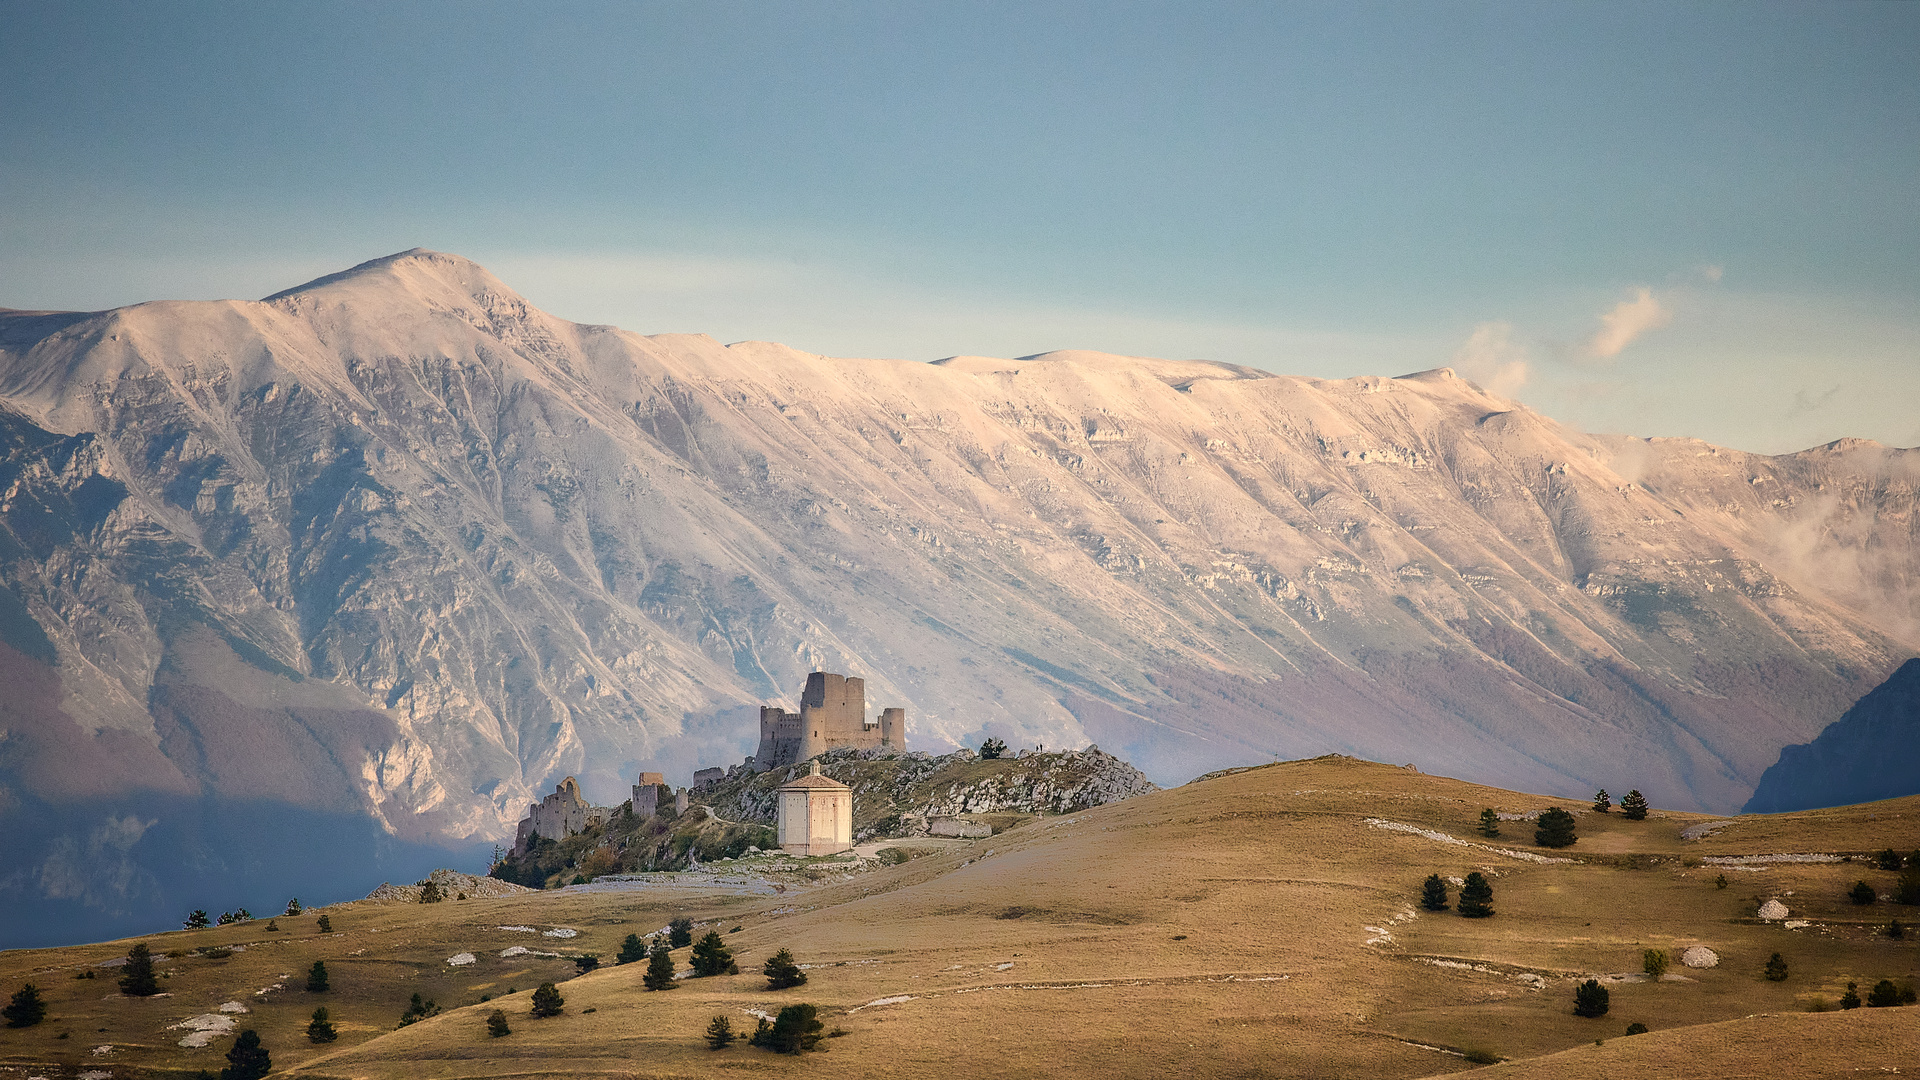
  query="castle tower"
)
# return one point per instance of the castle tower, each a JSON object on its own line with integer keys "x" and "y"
{"x": 815, "y": 815}
{"x": 893, "y": 729}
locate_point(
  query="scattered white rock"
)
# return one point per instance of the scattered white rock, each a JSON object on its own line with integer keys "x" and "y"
{"x": 1773, "y": 911}
{"x": 514, "y": 950}
{"x": 1003, "y": 967}
{"x": 233, "y": 1007}
{"x": 895, "y": 1000}
{"x": 96, "y": 1074}
{"x": 203, "y": 1029}
{"x": 102, "y": 1051}
{"x": 561, "y": 932}
{"x": 1739, "y": 860}
{"x": 1796, "y": 924}
{"x": 1433, "y": 834}
{"x": 1704, "y": 829}
{"x": 1699, "y": 956}
{"x": 461, "y": 959}
{"x": 521, "y": 929}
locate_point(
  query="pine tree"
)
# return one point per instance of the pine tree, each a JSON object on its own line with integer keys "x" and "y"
{"x": 317, "y": 978}
{"x": 586, "y": 962}
{"x": 26, "y": 1009}
{"x": 197, "y": 920}
{"x": 1602, "y": 802}
{"x": 1883, "y": 995}
{"x": 720, "y": 1033}
{"x": 1555, "y": 829}
{"x": 680, "y": 933}
{"x": 712, "y": 957}
{"x": 547, "y": 1001}
{"x": 1634, "y": 806}
{"x": 1907, "y": 889}
{"x": 797, "y": 1028}
{"x": 1654, "y": 962}
{"x": 1862, "y": 893}
{"x": 1476, "y": 897}
{"x": 1851, "y": 999}
{"x": 326, "y": 925}
{"x": 293, "y": 908}
{"x": 631, "y": 950}
{"x": 1489, "y": 822}
{"x": 137, "y": 979}
{"x": 247, "y": 1060}
{"x": 1433, "y": 893}
{"x": 659, "y": 974}
{"x": 320, "y": 1028}
{"x": 1776, "y": 969}
{"x": 781, "y": 972}
{"x": 1895, "y": 930}
{"x": 497, "y": 1024}
{"x": 430, "y": 892}
{"x": 1590, "y": 999}
{"x": 1889, "y": 860}
{"x": 418, "y": 1009}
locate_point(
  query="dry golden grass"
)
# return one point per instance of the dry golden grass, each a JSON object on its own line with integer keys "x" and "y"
{"x": 1220, "y": 929}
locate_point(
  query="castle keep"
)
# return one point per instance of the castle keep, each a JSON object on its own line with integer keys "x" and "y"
{"x": 833, "y": 714}
{"x": 559, "y": 816}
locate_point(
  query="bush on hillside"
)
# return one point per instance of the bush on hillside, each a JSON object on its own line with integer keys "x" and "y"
{"x": 137, "y": 978}
{"x": 26, "y": 1009}
{"x": 1883, "y": 995}
{"x": 419, "y": 1009}
{"x": 1590, "y": 999}
{"x": 320, "y": 1027}
{"x": 631, "y": 950}
{"x": 1654, "y": 962}
{"x": 795, "y": 1029}
{"x": 659, "y": 974}
{"x": 547, "y": 1001}
{"x": 1489, "y": 822}
{"x": 1851, "y": 999}
{"x": 1433, "y": 893}
{"x": 1907, "y": 889}
{"x": 1555, "y": 829}
{"x": 1895, "y": 930}
{"x": 248, "y": 1060}
{"x": 196, "y": 920}
{"x": 1633, "y": 806}
{"x": 497, "y": 1023}
{"x": 781, "y": 972}
{"x": 1476, "y": 897}
{"x": 1602, "y": 802}
{"x": 720, "y": 1033}
{"x": 680, "y": 933}
{"x": 1776, "y": 970}
{"x": 293, "y": 908}
{"x": 712, "y": 957}
{"x": 1889, "y": 860}
{"x": 317, "y": 978}
{"x": 586, "y": 962}
{"x": 1636, "y": 1028}
{"x": 1862, "y": 893}
{"x": 992, "y": 749}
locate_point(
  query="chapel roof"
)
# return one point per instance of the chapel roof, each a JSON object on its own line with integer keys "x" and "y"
{"x": 814, "y": 782}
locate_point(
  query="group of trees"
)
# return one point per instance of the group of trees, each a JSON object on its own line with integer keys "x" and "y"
{"x": 1906, "y": 888}
{"x": 1476, "y": 896}
{"x": 1633, "y": 806}
{"x": 198, "y": 919}
{"x": 1554, "y": 828}
{"x": 794, "y": 1029}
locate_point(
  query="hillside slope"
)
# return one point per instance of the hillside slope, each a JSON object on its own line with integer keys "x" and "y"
{"x": 1260, "y": 923}
{"x": 396, "y": 544}
{"x": 1871, "y": 752}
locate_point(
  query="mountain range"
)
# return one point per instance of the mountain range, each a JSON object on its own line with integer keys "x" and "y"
{"x": 391, "y": 552}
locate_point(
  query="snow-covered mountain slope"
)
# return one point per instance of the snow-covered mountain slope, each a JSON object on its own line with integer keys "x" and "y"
{"x": 396, "y": 540}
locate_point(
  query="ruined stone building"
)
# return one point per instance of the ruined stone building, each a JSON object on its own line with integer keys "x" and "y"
{"x": 833, "y": 714}
{"x": 559, "y": 816}
{"x": 814, "y": 815}
{"x": 646, "y": 794}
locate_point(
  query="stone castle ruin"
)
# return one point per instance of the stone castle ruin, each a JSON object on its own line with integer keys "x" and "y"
{"x": 833, "y": 714}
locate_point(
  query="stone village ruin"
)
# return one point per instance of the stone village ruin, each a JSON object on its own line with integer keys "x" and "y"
{"x": 815, "y": 812}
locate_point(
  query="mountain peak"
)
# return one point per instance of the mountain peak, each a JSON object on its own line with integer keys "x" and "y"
{"x": 420, "y": 271}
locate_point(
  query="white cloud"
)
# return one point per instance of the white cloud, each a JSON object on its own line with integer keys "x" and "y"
{"x": 1492, "y": 359}
{"x": 1628, "y": 320}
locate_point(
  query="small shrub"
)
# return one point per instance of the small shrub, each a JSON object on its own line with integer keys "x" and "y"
{"x": 1851, "y": 999}
{"x": 1602, "y": 802}
{"x": 1862, "y": 894}
{"x": 1654, "y": 962}
{"x": 1818, "y": 1003}
{"x": 1489, "y": 822}
{"x": 680, "y": 933}
{"x": 586, "y": 962}
{"x": 1720, "y": 882}
{"x": 216, "y": 952}
{"x": 1555, "y": 829}
{"x": 781, "y": 972}
{"x": 326, "y": 925}
{"x": 293, "y": 908}
{"x": 1636, "y": 1028}
{"x": 1907, "y": 889}
{"x": 1776, "y": 970}
{"x": 1590, "y": 999}
{"x": 547, "y": 1001}
{"x": 659, "y": 974}
{"x": 1433, "y": 893}
{"x": 320, "y": 1028}
{"x": 419, "y": 1009}
{"x": 992, "y": 749}
{"x": 1633, "y": 806}
{"x": 894, "y": 856}
{"x": 317, "y": 978}
{"x": 1895, "y": 930}
{"x": 1480, "y": 1055}
{"x": 497, "y": 1023}
{"x": 248, "y": 1060}
{"x": 712, "y": 957}
{"x": 273, "y": 926}
{"x": 736, "y": 929}
{"x": 720, "y": 1033}
{"x": 137, "y": 979}
{"x": 631, "y": 950}
{"x": 1889, "y": 860}
{"x": 430, "y": 892}
{"x": 1476, "y": 897}
{"x": 196, "y": 920}
{"x": 1883, "y": 995}
{"x": 26, "y": 1009}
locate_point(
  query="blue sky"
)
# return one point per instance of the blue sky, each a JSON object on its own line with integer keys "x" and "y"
{"x": 1664, "y": 219}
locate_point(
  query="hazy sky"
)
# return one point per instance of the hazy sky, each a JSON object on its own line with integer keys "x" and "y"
{"x": 1666, "y": 219}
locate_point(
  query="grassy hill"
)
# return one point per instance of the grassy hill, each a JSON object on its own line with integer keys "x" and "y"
{"x": 1261, "y": 923}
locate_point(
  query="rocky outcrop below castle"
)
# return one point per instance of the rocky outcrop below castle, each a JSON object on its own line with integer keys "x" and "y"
{"x": 901, "y": 794}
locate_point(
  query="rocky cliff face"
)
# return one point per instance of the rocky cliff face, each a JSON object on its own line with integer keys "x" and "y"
{"x": 397, "y": 544}
{"x": 1872, "y": 752}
